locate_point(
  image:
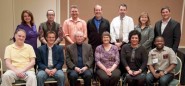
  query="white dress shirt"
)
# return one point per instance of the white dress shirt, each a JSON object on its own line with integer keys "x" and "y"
{"x": 164, "y": 24}
{"x": 50, "y": 59}
{"x": 128, "y": 25}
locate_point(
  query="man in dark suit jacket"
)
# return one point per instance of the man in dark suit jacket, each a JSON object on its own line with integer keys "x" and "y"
{"x": 50, "y": 59}
{"x": 96, "y": 26}
{"x": 79, "y": 60}
{"x": 169, "y": 29}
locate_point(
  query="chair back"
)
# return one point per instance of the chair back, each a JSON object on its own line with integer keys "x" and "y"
{"x": 178, "y": 66}
{"x": 1, "y": 66}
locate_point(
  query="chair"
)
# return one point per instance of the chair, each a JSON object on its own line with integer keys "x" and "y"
{"x": 1, "y": 69}
{"x": 176, "y": 82}
{"x": 49, "y": 80}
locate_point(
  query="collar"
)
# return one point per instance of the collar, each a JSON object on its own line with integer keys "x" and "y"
{"x": 14, "y": 46}
{"x": 50, "y": 47}
{"x": 166, "y": 21}
{"x": 97, "y": 19}
{"x": 50, "y": 23}
{"x": 78, "y": 20}
{"x": 164, "y": 49}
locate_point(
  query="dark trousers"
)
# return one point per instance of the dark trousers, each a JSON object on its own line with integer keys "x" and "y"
{"x": 138, "y": 80}
{"x": 163, "y": 81}
{"x": 73, "y": 76}
{"x": 106, "y": 80}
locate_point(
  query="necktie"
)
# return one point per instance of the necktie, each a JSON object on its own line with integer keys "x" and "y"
{"x": 121, "y": 30}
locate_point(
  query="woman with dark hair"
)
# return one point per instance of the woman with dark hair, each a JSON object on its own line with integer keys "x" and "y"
{"x": 107, "y": 61}
{"x": 146, "y": 30}
{"x": 134, "y": 59}
{"x": 28, "y": 25}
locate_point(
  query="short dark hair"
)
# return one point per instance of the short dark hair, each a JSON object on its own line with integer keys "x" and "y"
{"x": 50, "y": 10}
{"x": 134, "y": 32}
{"x": 30, "y": 14}
{"x": 123, "y": 5}
{"x": 50, "y": 32}
{"x": 166, "y": 7}
{"x": 159, "y": 37}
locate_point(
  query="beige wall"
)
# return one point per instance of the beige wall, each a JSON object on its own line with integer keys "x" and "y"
{"x": 135, "y": 7}
{"x": 11, "y": 16}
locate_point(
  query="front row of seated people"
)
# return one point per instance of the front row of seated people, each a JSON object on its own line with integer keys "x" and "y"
{"x": 20, "y": 59}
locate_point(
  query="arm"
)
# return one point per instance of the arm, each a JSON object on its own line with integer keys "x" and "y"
{"x": 112, "y": 32}
{"x": 117, "y": 59}
{"x": 173, "y": 61}
{"x": 148, "y": 43}
{"x": 41, "y": 34}
{"x": 108, "y": 28}
{"x": 123, "y": 58}
{"x": 66, "y": 32}
{"x": 144, "y": 58}
{"x": 69, "y": 61}
{"x": 97, "y": 59}
{"x": 84, "y": 26}
{"x": 60, "y": 35}
{"x": 9, "y": 65}
{"x": 30, "y": 65}
{"x": 176, "y": 37}
{"x": 40, "y": 61}
{"x": 61, "y": 58}
{"x": 89, "y": 63}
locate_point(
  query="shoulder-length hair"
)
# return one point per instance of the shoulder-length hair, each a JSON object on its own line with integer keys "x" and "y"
{"x": 144, "y": 14}
{"x": 30, "y": 14}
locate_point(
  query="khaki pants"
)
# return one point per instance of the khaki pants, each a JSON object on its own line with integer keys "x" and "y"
{"x": 9, "y": 77}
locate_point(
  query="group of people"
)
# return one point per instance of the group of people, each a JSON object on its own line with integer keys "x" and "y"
{"x": 113, "y": 49}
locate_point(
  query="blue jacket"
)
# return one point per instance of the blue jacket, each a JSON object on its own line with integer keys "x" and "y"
{"x": 42, "y": 57}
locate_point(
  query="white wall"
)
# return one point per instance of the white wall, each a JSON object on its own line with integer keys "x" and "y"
{"x": 10, "y": 16}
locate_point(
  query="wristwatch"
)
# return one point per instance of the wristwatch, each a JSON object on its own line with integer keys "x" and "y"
{"x": 165, "y": 72}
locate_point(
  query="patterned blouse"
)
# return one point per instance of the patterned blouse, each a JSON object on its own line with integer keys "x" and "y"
{"x": 107, "y": 58}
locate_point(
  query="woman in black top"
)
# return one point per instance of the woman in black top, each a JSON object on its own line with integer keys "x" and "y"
{"x": 134, "y": 59}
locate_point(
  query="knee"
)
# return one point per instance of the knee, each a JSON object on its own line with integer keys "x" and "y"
{"x": 73, "y": 75}
{"x": 41, "y": 74}
{"x": 61, "y": 76}
{"x": 163, "y": 81}
{"x": 32, "y": 78}
{"x": 88, "y": 74}
{"x": 149, "y": 77}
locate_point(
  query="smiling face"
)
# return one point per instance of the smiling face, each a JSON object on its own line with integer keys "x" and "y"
{"x": 159, "y": 43}
{"x": 98, "y": 11}
{"x": 74, "y": 13}
{"x": 106, "y": 39}
{"x": 134, "y": 40}
{"x": 50, "y": 38}
{"x": 20, "y": 37}
{"x": 165, "y": 13}
{"x": 27, "y": 17}
{"x": 144, "y": 19}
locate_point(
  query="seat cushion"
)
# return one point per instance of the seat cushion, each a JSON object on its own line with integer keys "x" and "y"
{"x": 174, "y": 82}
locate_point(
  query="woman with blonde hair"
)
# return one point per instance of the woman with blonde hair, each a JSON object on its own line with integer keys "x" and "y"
{"x": 146, "y": 30}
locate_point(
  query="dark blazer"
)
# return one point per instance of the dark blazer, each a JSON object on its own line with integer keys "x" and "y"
{"x": 171, "y": 34}
{"x": 72, "y": 56}
{"x": 42, "y": 57}
{"x": 94, "y": 36}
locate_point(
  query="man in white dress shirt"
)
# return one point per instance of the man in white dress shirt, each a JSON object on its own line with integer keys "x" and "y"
{"x": 120, "y": 27}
